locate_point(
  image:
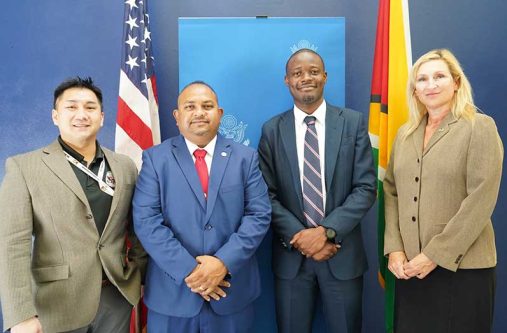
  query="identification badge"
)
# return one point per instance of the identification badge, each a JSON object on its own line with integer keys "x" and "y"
{"x": 110, "y": 179}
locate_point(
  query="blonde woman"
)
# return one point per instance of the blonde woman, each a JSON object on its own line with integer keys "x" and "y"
{"x": 440, "y": 191}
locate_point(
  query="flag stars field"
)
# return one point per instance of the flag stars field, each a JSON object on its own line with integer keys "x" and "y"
{"x": 132, "y": 42}
{"x": 132, "y": 62}
{"x": 131, "y": 23}
{"x": 131, "y": 3}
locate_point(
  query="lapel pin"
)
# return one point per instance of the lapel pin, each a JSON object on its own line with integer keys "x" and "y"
{"x": 223, "y": 154}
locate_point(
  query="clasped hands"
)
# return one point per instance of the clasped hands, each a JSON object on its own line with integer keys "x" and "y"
{"x": 420, "y": 266}
{"x": 207, "y": 278}
{"x": 313, "y": 243}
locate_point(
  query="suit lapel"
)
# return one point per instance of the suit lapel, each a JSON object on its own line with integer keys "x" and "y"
{"x": 334, "y": 130}
{"x": 56, "y": 161}
{"x": 187, "y": 166}
{"x": 288, "y": 134}
{"x": 118, "y": 175}
{"x": 440, "y": 132}
{"x": 418, "y": 137}
{"x": 221, "y": 157}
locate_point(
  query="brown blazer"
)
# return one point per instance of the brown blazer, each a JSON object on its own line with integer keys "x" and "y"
{"x": 60, "y": 278}
{"x": 439, "y": 201}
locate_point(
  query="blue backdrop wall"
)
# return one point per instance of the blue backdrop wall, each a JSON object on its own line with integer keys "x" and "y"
{"x": 43, "y": 42}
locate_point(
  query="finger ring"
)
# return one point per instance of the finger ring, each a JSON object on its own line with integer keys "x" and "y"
{"x": 302, "y": 253}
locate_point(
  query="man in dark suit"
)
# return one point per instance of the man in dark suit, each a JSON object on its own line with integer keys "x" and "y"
{"x": 201, "y": 209}
{"x": 318, "y": 164}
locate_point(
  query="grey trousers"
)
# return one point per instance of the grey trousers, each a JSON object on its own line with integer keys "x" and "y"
{"x": 113, "y": 314}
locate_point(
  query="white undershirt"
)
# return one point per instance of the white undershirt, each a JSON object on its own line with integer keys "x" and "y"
{"x": 300, "y": 126}
{"x": 210, "y": 149}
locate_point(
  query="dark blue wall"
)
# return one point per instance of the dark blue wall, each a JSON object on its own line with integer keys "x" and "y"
{"x": 43, "y": 42}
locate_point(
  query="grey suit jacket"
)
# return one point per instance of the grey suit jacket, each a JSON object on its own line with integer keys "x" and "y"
{"x": 439, "y": 201}
{"x": 59, "y": 279}
{"x": 350, "y": 185}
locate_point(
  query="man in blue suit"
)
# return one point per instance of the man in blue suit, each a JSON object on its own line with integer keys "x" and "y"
{"x": 317, "y": 162}
{"x": 201, "y": 209}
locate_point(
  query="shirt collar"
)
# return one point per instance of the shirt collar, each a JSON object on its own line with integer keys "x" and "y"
{"x": 210, "y": 147}
{"x": 99, "y": 155}
{"x": 319, "y": 114}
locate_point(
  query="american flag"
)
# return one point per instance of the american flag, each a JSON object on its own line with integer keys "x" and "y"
{"x": 137, "y": 121}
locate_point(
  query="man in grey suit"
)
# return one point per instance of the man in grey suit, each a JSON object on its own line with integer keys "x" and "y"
{"x": 318, "y": 164}
{"x": 64, "y": 265}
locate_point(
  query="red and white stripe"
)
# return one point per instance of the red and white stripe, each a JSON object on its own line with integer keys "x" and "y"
{"x": 137, "y": 125}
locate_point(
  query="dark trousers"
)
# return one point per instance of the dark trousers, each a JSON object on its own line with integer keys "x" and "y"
{"x": 296, "y": 298}
{"x": 113, "y": 314}
{"x": 446, "y": 302}
{"x": 207, "y": 321}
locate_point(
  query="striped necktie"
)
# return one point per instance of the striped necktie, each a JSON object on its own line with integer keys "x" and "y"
{"x": 312, "y": 179}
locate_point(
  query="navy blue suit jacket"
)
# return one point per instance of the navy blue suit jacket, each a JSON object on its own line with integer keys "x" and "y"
{"x": 350, "y": 181}
{"x": 175, "y": 223}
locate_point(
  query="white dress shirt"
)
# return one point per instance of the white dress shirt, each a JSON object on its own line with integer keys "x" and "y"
{"x": 320, "y": 127}
{"x": 210, "y": 149}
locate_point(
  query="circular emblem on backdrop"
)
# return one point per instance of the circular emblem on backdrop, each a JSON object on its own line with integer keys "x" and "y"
{"x": 231, "y": 129}
{"x": 228, "y": 121}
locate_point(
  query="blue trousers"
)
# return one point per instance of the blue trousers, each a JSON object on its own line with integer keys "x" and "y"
{"x": 207, "y": 321}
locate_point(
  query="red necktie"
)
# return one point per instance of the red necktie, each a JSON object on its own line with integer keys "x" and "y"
{"x": 202, "y": 169}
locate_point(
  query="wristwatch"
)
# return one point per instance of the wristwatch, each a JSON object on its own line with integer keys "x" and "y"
{"x": 330, "y": 234}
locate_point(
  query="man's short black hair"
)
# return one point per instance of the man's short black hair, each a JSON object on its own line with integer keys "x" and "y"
{"x": 301, "y": 51}
{"x": 77, "y": 82}
{"x": 201, "y": 83}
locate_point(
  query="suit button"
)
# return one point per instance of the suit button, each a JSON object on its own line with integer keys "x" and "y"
{"x": 415, "y": 198}
{"x": 100, "y": 246}
{"x": 416, "y": 179}
{"x": 458, "y": 259}
{"x": 413, "y": 219}
{"x": 418, "y": 161}
{"x": 89, "y": 216}
{"x": 208, "y": 226}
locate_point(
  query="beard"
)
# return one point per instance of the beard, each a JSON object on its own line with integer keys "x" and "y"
{"x": 309, "y": 99}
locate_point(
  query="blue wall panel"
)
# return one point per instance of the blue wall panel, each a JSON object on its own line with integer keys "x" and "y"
{"x": 42, "y": 42}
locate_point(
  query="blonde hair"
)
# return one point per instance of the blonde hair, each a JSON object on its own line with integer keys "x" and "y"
{"x": 462, "y": 104}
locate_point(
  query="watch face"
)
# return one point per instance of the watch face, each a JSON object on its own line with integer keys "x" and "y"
{"x": 330, "y": 233}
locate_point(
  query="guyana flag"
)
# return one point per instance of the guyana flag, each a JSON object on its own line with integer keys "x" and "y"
{"x": 388, "y": 111}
